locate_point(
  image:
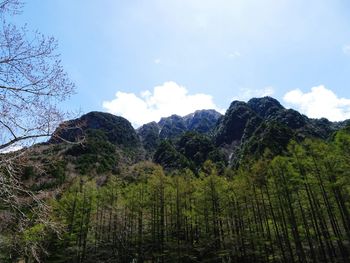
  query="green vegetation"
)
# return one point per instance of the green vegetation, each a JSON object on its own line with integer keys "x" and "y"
{"x": 169, "y": 157}
{"x": 293, "y": 208}
{"x": 191, "y": 150}
{"x": 267, "y": 185}
{"x": 96, "y": 154}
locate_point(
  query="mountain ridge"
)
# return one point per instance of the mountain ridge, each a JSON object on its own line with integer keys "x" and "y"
{"x": 246, "y": 130}
{"x": 201, "y": 121}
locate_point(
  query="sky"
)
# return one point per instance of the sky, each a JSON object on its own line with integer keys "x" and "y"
{"x": 146, "y": 59}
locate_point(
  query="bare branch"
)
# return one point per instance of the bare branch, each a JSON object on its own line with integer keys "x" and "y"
{"x": 32, "y": 83}
{"x": 22, "y": 138}
{"x": 13, "y": 7}
{"x": 10, "y": 130}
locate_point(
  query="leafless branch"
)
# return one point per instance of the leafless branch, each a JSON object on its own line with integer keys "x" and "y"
{"x": 32, "y": 83}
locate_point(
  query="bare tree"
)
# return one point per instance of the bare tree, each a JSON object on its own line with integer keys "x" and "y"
{"x": 32, "y": 81}
{"x": 32, "y": 84}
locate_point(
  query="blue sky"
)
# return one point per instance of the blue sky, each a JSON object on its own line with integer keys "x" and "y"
{"x": 146, "y": 59}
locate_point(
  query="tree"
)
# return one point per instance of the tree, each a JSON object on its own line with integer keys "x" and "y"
{"x": 32, "y": 81}
{"x": 32, "y": 84}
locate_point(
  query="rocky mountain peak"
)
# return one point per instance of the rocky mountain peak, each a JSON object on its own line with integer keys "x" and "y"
{"x": 202, "y": 121}
{"x": 265, "y": 106}
{"x": 118, "y": 130}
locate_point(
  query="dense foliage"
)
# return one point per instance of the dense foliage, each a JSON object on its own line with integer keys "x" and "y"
{"x": 97, "y": 153}
{"x": 173, "y": 127}
{"x": 191, "y": 150}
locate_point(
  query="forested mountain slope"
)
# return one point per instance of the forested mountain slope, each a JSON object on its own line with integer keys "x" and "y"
{"x": 248, "y": 129}
{"x": 201, "y": 121}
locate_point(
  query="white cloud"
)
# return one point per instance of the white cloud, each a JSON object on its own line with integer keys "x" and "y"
{"x": 247, "y": 94}
{"x": 165, "y": 100}
{"x": 346, "y": 49}
{"x": 235, "y": 54}
{"x": 319, "y": 102}
{"x": 157, "y": 61}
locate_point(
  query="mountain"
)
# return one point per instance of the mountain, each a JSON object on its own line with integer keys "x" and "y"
{"x": 117, "y": 130}
{"x": 249, "y": 129}
{"x": 110, "y": 141}
{"x": 201, "y": 121}
{"x": 98, "y": 142}
{"x": 246, "y": 131}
